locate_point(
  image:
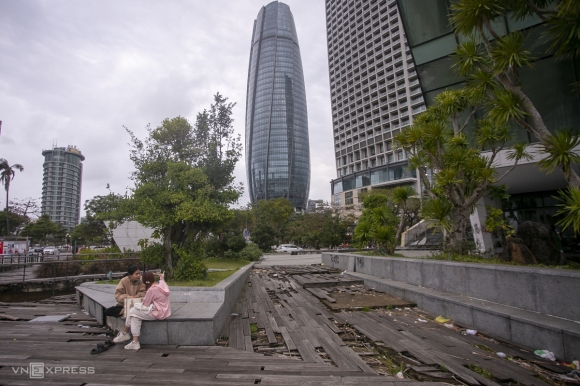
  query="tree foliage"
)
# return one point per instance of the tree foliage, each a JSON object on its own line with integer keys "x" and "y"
{"x": 42, "y": 229}
{"x": 463, "y": 172}
{"x": 385, "y": 216}
{"x": 7, "y": 174}
{"x": 184, "y": 184}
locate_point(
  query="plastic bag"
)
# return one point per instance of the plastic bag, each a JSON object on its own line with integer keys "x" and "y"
{"x": 400, "y": 375}
{"x": 545, "y": 354}
{"x": 470, "y": 332}
{"x": 441, "y": 319}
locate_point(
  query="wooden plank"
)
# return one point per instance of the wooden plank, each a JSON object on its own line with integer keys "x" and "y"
{"x": 287, "y": 339}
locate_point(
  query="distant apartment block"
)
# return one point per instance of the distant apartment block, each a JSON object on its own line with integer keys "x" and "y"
{"x": 61, "y": 185}
{"x": 374, "y": 94}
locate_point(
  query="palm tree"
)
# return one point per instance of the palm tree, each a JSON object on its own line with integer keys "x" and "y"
{"x": 401, "y": 197}
{"x": 7, "y": 173}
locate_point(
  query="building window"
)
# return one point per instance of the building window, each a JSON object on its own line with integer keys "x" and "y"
{"x": 390, "y": 158}
{"x": 389, "y": 145}
{"x": 337, "y": 199}
{"x": 400, "y": 155}
{"x": 372, "y": 150}
{"x": 380, "y": 147}
{"x": 348, "y": 200}
{"x": 373, "y": 162}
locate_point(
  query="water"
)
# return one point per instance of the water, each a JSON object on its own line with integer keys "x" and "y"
{"x": 17, "y": 297}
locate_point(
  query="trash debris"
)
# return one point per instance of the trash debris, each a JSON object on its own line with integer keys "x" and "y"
{"x": 449, "y": 325}
{"x": 400, "y": 375}
{"x": 574, "y": 375}
{"x": 442, "y": 320}
{"x": 421, "y": 320}
{"x": 470, "y": 332}
{"x": 576, "y": 364}
{"x": 501, "y": 354}
{"x": 234, "y": 315}
{"x": 545, "y": 354}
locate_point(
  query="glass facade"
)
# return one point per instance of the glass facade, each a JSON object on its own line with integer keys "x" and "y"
{"x": 61, "y": 185}
{"x": 277, "y": 145}
{"x": 548, "y": 84}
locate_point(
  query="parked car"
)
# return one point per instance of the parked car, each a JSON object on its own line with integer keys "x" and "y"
{"x": 50, "y": 251}
{"x": 288, "y": 248}
{"x": 33, "y": 251}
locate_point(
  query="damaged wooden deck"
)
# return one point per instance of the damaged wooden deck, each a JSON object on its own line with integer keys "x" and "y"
{"x": 290, "y": 320}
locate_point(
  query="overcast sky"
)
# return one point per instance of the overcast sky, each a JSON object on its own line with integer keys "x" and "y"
{"x": 76, "y": 72}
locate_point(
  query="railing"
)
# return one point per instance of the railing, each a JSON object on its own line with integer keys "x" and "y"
{"x": 50, "y": 272}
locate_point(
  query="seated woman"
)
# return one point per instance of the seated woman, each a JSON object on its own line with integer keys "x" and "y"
{"x": 155, "y": 306}
{"x": 129, "y": 287}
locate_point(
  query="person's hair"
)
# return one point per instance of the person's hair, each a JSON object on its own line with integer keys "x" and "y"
{"x": 148, "y": 279}
{"x": 131, "y": 270}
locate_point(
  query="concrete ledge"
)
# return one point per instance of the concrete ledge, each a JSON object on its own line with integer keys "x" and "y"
{"x": 198, "y": 314}
{"x": 531, "y": 329}
{"x": 544, "y": 290}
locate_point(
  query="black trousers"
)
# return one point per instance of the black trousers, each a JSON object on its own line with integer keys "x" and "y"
{"x": 114, "y": 311}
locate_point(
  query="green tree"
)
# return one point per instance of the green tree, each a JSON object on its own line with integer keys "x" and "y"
{"x": 184, "y": 179}
{"x": 404, "y": 199}
{"x": 40, "y": 229}
{"x": 7, "y": 173}
{"x": 272, "y": 219}
{"x": 89, "y": 231}
{"x": 15, "y": 221}
{"x": 437, "y": 141}
{"x": 492, "y": 69}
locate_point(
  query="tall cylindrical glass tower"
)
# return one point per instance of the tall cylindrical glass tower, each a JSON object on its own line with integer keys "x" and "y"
{"x": 61, "y": 185}
{"x": 277, "y": 146}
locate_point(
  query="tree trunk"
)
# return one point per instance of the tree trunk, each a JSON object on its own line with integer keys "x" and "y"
{"x": 168, "y": 251}
{"x": 401, "y": 227}
{"x": 7, "y": 214}
{"x": 456, "y": 236}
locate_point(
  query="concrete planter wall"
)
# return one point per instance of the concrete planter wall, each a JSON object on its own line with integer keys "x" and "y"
{"x": 545, "y": 290}
{"x": 198, "y": 313}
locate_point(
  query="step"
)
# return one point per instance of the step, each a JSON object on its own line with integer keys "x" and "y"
{"x": 511, "y": 324}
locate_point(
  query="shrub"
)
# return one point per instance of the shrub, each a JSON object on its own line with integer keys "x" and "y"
{"x": 251, "y": 252}
{"x": 229, "y": 254}
{"x": 154, "y": 255}
{"x": 189, "y": 266}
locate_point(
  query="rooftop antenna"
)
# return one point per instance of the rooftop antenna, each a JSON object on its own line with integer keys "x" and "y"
{"x": 54, "y": 143}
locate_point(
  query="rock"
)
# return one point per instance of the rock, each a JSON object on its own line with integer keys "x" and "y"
{"x": 516, "y": 250}
{"x": 539, "y": 238}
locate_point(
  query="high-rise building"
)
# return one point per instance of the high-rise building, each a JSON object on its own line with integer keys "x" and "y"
{"x": 277, "y": 148}
{"x": 374, "y": 94}
{"x": 61, "y": 185}
{"x": 548, "y": 85}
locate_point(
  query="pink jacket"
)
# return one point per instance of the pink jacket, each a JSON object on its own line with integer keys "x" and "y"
{"x": 159, "y": 296}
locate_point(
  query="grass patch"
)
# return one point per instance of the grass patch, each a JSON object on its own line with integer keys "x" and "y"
{"x": 484, "y": 348}
{"x": 431, "y": 255}
{"x": 212, "y": 279}
{"x": 217, "y": 263}
{"x": 253, "y": 328}
{"x": 481, "y": 371}
{"x": 366, "y": 309}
